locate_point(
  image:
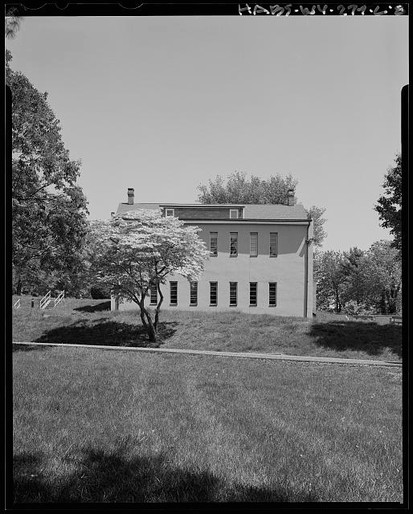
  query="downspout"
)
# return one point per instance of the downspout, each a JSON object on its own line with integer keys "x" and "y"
{"x": 307, "y": 242}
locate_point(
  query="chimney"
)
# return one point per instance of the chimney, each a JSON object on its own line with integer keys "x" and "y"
{"x": 291, "y": 197}
{"x": 131, "y": 196}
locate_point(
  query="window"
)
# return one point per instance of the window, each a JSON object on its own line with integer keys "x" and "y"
{"x": 193, "y": 294}
{"x": 253, "y": 294}
{"x": 213, "y": 293}
{"x": 173, "y": 293}
{"x": 213, "y": 244}
{"x": 272, "y": 294}
{"x": 154, "y": 295}
{"x": 253, "y": 244}
{"x": 233, "y": 213}
{"x": 233, "y": 245}
{"x": 273, "y": 244}
{"x": 233, "y": 286}
{"x": 169, "y": 212}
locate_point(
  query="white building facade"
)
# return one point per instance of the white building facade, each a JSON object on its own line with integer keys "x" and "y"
{"x": 261, "y": 259}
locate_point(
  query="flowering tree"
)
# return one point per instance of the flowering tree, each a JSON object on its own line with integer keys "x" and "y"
{"x": 133, "y": 253}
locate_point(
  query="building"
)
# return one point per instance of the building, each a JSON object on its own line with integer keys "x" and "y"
{"x": 261, "y": 259}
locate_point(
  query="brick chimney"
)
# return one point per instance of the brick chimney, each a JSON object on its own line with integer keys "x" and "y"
{"x": 131, "y": 196}
{"x": 291, "y": 197}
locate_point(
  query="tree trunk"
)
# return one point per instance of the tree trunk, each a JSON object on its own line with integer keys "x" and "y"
{"x": 147, "y": 323}
{"x": 383, "y": 306}
{"x": 158, "y": 308}
{"x": 338, "y": 304}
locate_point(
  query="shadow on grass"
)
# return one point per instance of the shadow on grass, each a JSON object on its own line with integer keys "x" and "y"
{"x": 102, "y": 477}
{"x": 106, "y": 332}
{"x": 370, "y": 338}
{"x": 103, "y": 306}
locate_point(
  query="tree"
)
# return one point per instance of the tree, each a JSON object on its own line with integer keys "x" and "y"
{"x": 319, "y": 234}
{"x": 384, "y": 277}
{"x": 12, "y": 22}
{"x": 48, "y": 206}
{"x": 238, "y": 188}
{"x": 389, "y": 205}
{"x": 133, "y": 254}
{"x": 330, "y": 279}
{"x": 353, "y": 268}
{"x": 360, "y": 281}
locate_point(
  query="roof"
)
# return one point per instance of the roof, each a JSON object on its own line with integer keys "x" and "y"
{"x": 251, "y": 212}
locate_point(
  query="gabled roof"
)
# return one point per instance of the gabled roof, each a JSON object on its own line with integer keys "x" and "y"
{"x": 251, "y": 211}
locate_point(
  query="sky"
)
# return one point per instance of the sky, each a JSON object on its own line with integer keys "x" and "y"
{"x": 163, "y": 104}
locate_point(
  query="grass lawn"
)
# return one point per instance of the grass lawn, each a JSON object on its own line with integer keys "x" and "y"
{"x": 111, "y": 426}
{"x": 91, "y": 322}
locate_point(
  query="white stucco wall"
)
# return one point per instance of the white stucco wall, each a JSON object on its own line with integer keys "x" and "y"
{"x": 287, "y": 270}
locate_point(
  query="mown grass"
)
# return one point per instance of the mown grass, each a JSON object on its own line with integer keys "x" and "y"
{"x": 91, "y": 322}
{"x": 111, "y": 426}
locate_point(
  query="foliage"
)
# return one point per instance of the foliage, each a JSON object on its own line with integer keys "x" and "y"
{"x": 361, "y": 281}
{"x": 319, "y": 234}
{"x": 99, "y": 292}
{"x": 389, "y": 205}
{"x": 12, "y": 22}
{"x": 357, "y": 309}
{"x": 48, "y": 206}
{"x": 331, "y": 280}
{"x": 134, "y": 252}
{"x": 384, "y": 277}
{"x": 238, "y": 188}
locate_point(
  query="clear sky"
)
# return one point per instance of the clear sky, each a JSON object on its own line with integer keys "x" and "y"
{"x": 162, "y": 104}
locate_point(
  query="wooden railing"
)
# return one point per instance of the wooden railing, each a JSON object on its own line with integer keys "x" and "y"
{"x": 44, "y": 302}
{"x": 60, "y": 298}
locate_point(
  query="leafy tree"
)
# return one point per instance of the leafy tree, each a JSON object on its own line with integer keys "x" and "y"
{"x": 360, "y": 281}
{"x": 384, "y": 277}
{"x": 48, "y": 206}
{"x": 330, "y": 280}
{"x": 12, "y": 22}
{"x": 389, "y": 205}
{"x": 319, "y": 234}
{"x": 353, "y": 269}
{"x": 238, "y": 188}
{"x": 133, "y": 253}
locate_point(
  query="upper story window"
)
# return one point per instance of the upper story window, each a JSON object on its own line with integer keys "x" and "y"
{"x": 253, "y": 244}
{"x": 169, "y": 212}
{"x": 273, "y": 244}
{"x": 233, "y": 244}
{"x": 233, "y": 213}
{"x": 213, "y": 244}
